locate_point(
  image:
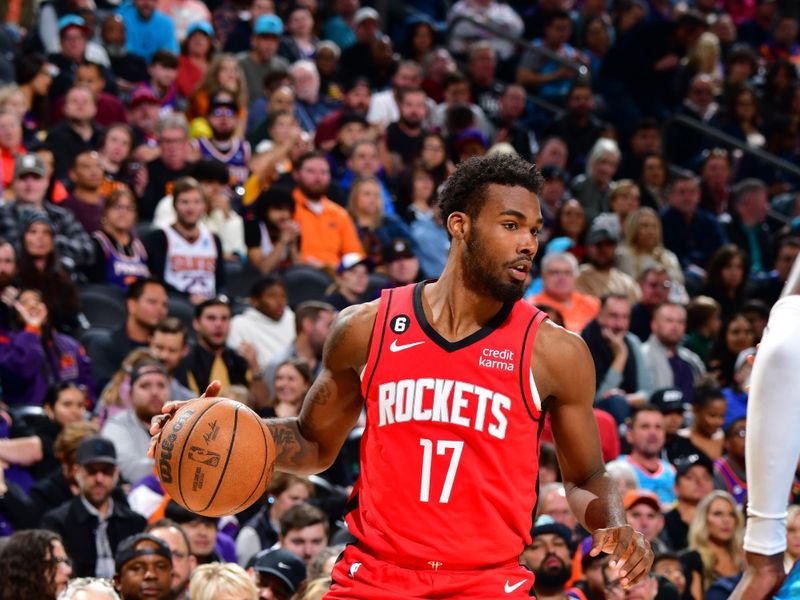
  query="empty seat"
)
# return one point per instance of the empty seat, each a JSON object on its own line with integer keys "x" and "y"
{"x": 305, "y": 283}
{"x": 103, "y": 309}
{"x": 239, "y": 278}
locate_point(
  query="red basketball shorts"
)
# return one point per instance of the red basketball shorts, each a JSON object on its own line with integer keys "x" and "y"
{"x": 361, "y": 576}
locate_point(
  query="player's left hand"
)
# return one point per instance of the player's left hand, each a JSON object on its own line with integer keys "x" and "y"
{"x": 630, "y": 551}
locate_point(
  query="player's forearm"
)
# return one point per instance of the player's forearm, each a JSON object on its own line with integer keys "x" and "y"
{"x": 295, "y": 453}
{"x": 595, "y": 502}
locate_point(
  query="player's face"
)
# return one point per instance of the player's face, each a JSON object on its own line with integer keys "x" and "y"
{"x": 272, "y": 302}
{"x": 146, "y": 576}
{"x": 183, "y": 562}
{"x": 646, "y": 519}
{"x": 96, "y": 480}
{"x": 721, "y": 521}
{"x": 213, "y": 325}
{"x": 295, "y": 494}
{"x": 501, "y": 242}
{"x": 202, "y": 536}
{"x": 306, "y": 542}
{"x": 70, "y": 407}
{"x": 695, "y": 485}
{"x": 151, "y": 306}
{"x": 646, "y": 433}
{"x": 672, "y": 570}
{"x": 709, "y": 418}
{"x": 148, "y": 395}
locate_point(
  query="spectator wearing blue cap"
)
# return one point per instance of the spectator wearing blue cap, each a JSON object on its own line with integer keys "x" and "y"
{"x": 197, "y": 49}
{"x": 74, "y": 46}
{"x": 263, "y": 59}
{"x": 148, "y": 29}
{"x": 185, "y": 14}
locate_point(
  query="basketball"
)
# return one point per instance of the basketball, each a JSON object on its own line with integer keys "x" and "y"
{"x": 215, "y": 456}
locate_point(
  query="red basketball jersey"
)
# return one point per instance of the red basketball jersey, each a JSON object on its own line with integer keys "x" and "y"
{"x": 449, "y": 457}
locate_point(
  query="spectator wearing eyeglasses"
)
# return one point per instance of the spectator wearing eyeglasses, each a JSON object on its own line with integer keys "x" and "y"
{"x": 729, "y": 470}
{"x": 183, "y": 561}
{"x": 92, "y": 524}
{"x": 33, "y": 564}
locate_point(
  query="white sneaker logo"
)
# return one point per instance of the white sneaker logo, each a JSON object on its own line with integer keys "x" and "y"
{"x": 283, "y": 565}
{"x": 395, "y": 347}
{"x": 353, "y": 568}
{"x": 512, "y": 588}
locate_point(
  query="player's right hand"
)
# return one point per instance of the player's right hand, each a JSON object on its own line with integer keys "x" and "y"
{"x": 762, "y": 578}
{"x": 158, "y": 422}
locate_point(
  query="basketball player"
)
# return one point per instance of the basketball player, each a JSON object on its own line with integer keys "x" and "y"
{"x": 456, "y": 375}
{"x": 773, "y": 446}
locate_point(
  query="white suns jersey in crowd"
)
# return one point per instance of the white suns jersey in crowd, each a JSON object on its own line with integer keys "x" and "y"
{"x": 191, "y": 266}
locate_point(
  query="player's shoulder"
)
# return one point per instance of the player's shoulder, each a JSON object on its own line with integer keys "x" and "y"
{"x": 557, "y": 343}
{"x": 559, "y": 356}
{"x": 351, "y": 332}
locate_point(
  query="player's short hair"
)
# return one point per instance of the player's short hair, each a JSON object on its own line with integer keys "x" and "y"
{"x": 310, "y": 309}
{"x": 172, "y": 326}
{"x": 169, "y": 524}
{"x": 301, "y": 516}
{"x": 263, "y": 283}
{"x": 465, "y": 190}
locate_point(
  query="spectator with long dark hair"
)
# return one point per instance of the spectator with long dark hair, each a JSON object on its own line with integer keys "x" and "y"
{"x": 727, "y": 277}
{"x": 40, "y": 269}
{"x": 45, "y": 356}
{"x": 34, "y": 79}
{"x": 33, "y": 564}
{"x": 736, "y": 335}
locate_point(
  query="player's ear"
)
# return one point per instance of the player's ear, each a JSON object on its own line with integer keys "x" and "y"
{"x": 458, "y": 224}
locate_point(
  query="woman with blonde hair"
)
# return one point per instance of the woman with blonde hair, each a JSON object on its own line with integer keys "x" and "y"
{"x": 643, "y": 246}
{"x": 225, "y": 74}
{"x": 221, "y": 581}
{"x": 375, "y": 228}
{"x": 715, "y": 543}
{"x": 792, "y": 554}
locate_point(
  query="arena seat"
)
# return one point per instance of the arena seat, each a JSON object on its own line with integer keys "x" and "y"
{"x": 305, "y": 283}
{"x": 103, "y": 307}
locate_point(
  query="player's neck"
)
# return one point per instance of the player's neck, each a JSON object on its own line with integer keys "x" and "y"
{"x": 454, "y": 310}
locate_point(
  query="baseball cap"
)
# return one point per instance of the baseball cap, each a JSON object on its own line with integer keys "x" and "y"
{"x": 127, "y": 550}
{"x": 268, "y": 25}
{"x": 143, "y": 94}
{"x": 634, "y": 497}
{"x": 668, "y": 400}
{"x": 29, "y": 163}
{"x": 96, "y": 449}
{"x": 148, "y": 368}
{"x": 71, "y": 21}
{"x": 683, "y": 464}
{"x": 203, "y": 26}
{"x": 28, "y": 217}
{"x": 397, "y": 249}
{"x": 223, "y": 101}
{"x": 362, "y": 14}
{"x": 282, "y": 564}
{"x": 601, "y": 233}
{"x": 352, "y": 259}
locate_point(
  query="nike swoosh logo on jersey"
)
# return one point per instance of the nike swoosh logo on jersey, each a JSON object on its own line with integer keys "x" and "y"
{"x": 512, "y": 588}
{"x": 395, "y": 347}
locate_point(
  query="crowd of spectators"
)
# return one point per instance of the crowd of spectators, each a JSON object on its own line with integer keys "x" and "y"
{"x": 191, "y": 190}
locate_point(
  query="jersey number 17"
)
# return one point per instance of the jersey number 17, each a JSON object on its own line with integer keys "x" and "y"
{"x": 442, "y": 446}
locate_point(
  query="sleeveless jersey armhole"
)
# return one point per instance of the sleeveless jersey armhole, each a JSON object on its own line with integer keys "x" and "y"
{"x": 378, "y": 333}
{"x": 530, "y": 394}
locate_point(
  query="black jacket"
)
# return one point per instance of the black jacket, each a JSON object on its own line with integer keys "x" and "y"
{"x": 77, "y": 526}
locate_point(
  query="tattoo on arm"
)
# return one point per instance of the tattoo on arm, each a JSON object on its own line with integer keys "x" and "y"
{"x": 294, "y": 452}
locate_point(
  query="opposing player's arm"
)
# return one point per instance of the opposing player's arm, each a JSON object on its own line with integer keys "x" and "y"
{"x": 564, "y": 372}
{"x": 310, "y": 443}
